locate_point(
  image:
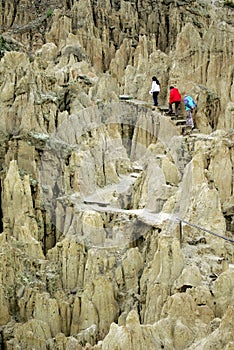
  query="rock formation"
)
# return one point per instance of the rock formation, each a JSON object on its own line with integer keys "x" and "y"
{"x": 117, "y": 230}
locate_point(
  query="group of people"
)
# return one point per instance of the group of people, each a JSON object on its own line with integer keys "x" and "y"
{"x": 175, "y": 98}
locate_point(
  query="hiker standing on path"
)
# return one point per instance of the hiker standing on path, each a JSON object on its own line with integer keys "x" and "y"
{"x": 190, "y": 106}
{"x": 175, "y": 98}
{"x": 155, "y": 90}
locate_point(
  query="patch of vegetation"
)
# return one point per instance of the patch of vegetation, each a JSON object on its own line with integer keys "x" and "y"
{"x": 33, "y": 182}
{"x": 4, "y": 46}
{"x": 49, "y": 13}
{"x": 211, "y": 96}
{"x": 229, "y": 3}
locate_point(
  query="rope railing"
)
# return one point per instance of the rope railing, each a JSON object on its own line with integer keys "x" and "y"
{"x": 202, "y": 229}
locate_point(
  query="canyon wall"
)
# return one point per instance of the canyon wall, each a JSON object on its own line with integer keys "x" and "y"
{"x": 103, "y": 199}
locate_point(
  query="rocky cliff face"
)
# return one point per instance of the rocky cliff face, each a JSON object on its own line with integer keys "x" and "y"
{"x": 93, "y": 254}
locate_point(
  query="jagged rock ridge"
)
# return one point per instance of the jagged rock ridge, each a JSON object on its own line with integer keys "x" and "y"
{"x": 92, "y": 187}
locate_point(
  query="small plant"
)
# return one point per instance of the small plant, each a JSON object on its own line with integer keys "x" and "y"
{"x": 229, "y": 3}
{"x": 49, "y": 13}
{"x": 3, "y": 46}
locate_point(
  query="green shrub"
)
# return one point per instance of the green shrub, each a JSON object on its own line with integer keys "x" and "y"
{"x": 229, "y": 3}
{"x": 49, "y": 13}
{"x": 3, "y": 46}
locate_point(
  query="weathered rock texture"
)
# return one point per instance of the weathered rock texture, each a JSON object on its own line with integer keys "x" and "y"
{"x": 92, "y": 252}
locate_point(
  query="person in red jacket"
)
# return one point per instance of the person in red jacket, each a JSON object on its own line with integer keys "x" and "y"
{"x": 175, "y": 98}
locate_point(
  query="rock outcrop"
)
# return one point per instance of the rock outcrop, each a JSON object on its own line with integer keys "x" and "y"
{"x": 117, "y": 229}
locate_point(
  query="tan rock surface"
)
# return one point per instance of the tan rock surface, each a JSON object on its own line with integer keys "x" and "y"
{"x": 92, "y": 251}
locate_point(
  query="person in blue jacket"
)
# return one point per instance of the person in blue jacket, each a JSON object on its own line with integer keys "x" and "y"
{"x": 190, "y": 106}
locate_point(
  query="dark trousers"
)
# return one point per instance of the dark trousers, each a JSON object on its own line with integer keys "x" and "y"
{"x": 177, "y": 104}
{"x": 155, "y": 97}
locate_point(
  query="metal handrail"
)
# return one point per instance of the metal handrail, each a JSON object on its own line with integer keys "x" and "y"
{"x": 202, "y": 229}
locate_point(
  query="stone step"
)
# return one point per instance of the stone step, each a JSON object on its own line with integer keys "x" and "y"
{"x": 180, "y": 121}
{"x": 137, "y": 168}
{"x": 163, "y": 108}
{"x": 100, "y": 203}
{"x": 195, "y": 131}
{"x": 181, "y": 128}
{"x": 125, "y": 97}
{"x": 136, "y": 175}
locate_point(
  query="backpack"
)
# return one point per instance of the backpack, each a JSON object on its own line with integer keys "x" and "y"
{"x": 189, "y": 102}
{"x": 194, "y": 105}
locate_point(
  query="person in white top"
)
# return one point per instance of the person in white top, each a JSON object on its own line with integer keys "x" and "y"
{"x": 155, "y": 90}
